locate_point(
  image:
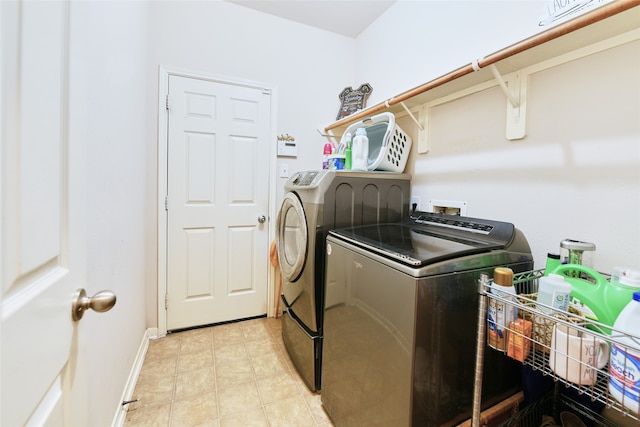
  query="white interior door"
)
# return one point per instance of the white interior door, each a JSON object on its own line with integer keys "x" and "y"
{"x": 217, "y": 202}
{"x": 42, "y": 247}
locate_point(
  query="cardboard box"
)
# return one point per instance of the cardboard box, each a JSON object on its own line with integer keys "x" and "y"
{"x": 499, "y": 413}
{"x": 519, "y": 339}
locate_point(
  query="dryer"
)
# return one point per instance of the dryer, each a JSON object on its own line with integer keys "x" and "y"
{"x": 314, "y": 203}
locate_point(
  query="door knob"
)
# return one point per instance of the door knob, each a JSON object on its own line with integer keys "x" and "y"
{"x": 262, "y": 219}
{"x": 100, "y": 302}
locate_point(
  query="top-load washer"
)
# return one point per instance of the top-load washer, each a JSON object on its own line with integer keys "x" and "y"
{"x": 314, "y": 203}
{"x": 401, "y": 316}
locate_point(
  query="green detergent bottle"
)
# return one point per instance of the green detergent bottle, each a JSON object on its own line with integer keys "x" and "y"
{"x": 599, "y": 299}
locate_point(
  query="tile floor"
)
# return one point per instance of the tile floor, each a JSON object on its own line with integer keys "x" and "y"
{"x": 236, "y": 374}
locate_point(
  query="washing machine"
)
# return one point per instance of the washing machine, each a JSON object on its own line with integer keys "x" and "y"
{"x": 401, "y": 316}
{"x": 314, "y": 203}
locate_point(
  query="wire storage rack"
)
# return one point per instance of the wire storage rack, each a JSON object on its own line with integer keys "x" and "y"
{"x": 537, "y": 339}
{"x": 550, "y": 407}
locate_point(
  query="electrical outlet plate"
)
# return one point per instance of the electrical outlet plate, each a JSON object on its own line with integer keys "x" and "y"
{"x": 284, "y": 170}
{"x": 448, "y": 207}
{"x": 415, "y": 200}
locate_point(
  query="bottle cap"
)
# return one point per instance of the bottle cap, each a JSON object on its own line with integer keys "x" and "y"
{"x": 361, "y": 131}
{"x": 328, "y": 148}
{"x": 503, "y": 276}
{"x": 553, "y": 256}
{"x": 636, "y": 296}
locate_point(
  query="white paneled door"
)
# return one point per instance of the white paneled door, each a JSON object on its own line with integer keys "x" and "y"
{"x": 217, "y": 201}
{"x": 42, "y": 233}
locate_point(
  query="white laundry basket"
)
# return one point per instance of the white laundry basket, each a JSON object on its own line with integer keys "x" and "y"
{"x": 389, "y": 146}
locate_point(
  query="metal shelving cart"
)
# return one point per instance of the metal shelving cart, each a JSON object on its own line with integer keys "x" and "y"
{"x": 538, "y": 349}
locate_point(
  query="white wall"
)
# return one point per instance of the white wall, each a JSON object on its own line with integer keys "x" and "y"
{"x": 416, "y": 41}
{"x": 107, "y": 114}
{"x": 116, "y": 50}
{"x": 306, "y": 65}
{"x": 576, "y": 174}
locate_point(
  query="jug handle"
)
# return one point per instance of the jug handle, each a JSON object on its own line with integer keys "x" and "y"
{"x": 564, "y": 269}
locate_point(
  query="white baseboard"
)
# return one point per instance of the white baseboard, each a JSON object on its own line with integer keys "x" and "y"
{"x": 121, "y": 412}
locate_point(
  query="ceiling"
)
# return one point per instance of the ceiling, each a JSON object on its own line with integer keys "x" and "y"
{"x": 346, "y": 17}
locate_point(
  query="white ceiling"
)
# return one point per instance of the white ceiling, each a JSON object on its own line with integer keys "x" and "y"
{"x": 346, "y": 17}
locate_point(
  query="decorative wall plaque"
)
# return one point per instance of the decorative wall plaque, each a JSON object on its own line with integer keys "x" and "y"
{"x": 353, "y": 100}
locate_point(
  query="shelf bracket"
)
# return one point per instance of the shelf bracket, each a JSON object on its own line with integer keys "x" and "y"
{"x": 412, "y": 116}
{"x": 515, "y": 89}
{"x": 329, "y": 135}
{"x": 424, "y": 143}
{"x": 512, "y": 99}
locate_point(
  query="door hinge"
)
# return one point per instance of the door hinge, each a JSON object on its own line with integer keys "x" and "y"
{"x": 166, "y": 203}
{"x": 166, "y": 301}
{"x": 166, "y": 102}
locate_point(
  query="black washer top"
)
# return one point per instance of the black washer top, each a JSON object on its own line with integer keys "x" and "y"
{"x": 426, "y": 237}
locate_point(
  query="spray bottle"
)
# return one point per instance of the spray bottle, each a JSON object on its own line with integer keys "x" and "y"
{"x": 347, "y": 153}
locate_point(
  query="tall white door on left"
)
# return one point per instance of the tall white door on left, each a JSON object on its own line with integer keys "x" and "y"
{"x": 42, "y": 234}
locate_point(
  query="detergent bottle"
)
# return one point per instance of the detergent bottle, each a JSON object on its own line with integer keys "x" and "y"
{"x": 554, "y": 292}
{"x": 553, "y": 260}
{"x": 360, "y": 151}
{"x": 624, "y": 361}
{"x": 597, "y": 298}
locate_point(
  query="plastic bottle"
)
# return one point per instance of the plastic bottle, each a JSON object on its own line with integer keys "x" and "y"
{"x": 328, "y": 149}
{"x": 360, "y": 151}
{"x": 624, "y": 361}
{"x": 553, "y": 291}
{"x": 553, "y": 261}
{"x": 598, "y": 299}
{"x": 348, "y": 153}
{"x": 501, "y": 314}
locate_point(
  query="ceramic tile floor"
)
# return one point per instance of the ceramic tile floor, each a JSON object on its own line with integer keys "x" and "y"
{"x": 231, "y": 375}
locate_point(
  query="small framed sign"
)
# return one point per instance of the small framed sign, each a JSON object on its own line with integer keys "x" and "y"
{"x": 353, "y": 100}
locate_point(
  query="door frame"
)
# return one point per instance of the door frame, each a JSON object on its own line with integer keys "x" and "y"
{"x": 163, "y": 163}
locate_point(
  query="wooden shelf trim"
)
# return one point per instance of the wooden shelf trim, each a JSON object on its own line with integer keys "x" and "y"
{"x": 582, "y": 21}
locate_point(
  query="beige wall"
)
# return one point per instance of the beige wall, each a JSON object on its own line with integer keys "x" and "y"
{"x": 577, "y": 172}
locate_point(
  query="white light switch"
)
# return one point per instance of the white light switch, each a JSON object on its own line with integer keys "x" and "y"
{"x": 284, "y": 170}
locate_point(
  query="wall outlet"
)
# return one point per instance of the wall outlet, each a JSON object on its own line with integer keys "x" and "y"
{"x": 415, "y": 203}
{"x": 448, "y": 207}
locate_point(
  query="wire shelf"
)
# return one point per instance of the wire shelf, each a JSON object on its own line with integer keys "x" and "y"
{"x": 536, "y": 346}
{"x": 541, "y": 412}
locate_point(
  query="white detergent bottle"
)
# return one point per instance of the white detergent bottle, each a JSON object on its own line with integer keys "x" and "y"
{"x": 624, "y": 362}
{"x": 553, "y": 291}
{"x": 360, "y": 151}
